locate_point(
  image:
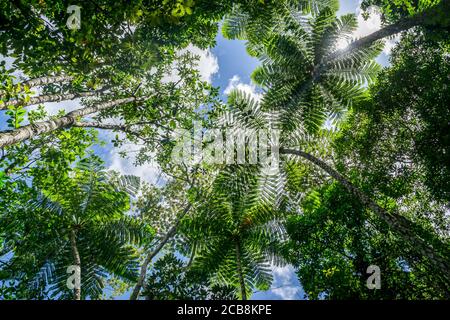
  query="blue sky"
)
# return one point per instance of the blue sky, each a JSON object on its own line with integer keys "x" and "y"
{"x": 227, "y": 66}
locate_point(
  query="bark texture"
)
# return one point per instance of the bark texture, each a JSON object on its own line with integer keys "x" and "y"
{"x": 239, "y": 271}
{"x": 48, "y": 98}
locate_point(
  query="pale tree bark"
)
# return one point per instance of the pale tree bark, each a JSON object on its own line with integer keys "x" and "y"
{"x": 396, "y": 222}
{"x": 239, "y": 270}
{"x": 11, "y": 137}
{"x": 49, "y": 98}
{"x": 437, "y": 13}
{"x": 167, "y": 237}
{"x": 76, "y": 261}
{"x": 128, "y": 129}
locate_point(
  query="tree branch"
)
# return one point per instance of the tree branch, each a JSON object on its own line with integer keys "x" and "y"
{"x": 37, "y": 82}
{"x": 50, "y": 98}
{"x": 172, "y": 231}
{"x": 437, "y": 12}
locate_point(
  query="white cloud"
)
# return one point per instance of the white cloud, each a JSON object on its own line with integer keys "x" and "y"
{"x": 208, "y": 66}
{"x": 149, "y": 172}
{"x": 287, "y": 293}
{"x": 235, "y": 83}
{"x": 366, "y": 27}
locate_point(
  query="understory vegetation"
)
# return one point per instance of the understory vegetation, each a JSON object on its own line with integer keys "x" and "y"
{"x": 362, "y": 177}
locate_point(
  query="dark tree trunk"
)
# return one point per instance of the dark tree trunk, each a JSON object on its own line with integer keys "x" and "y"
{"x": 172, "y": 231}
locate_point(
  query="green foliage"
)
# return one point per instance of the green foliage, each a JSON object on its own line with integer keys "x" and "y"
{"x": 399, "y": 8}
{"x": 3, "y": 178}
{"x": 17, "y": 115}
{"x": 406, "y": 129}
{"x": 236, "y": 237}
{"x": 385, "y": 130}
{"x": 87, "y": 203}
{"x": 333, "y": 243}
{"x": 171, "y": 279}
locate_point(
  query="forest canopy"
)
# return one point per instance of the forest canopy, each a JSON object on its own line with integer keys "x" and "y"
{"x": 331, "y": 165}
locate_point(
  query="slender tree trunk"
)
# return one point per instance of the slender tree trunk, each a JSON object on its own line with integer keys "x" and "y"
{"x": 431, "y": 16}
{"x": 396, "y": 222}
{"x": 121, "y": 127}
{"x": 76, "y": 261}
{"x": 37, "y": 82}
{"x": 436, "y": 15}
{"x": 239, "y": 270}
{"x": 48, "y": 98}
{"x": 172, "y": 231}
{"x": 104, "y": 126}
{"x": 11, "y": 137}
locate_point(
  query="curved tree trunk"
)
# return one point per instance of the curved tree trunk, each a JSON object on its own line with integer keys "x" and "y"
{"x": 11, "y": 137}
{"x": 436, "y": 15}
{"x": 76, "y": 261}
{"x": 172, "y": 231}
{"x": 239, "y": 270}
{"x": 398, "y": 223}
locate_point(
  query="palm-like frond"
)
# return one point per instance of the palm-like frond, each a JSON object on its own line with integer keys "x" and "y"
{"x": 348, "y": 71}
{"x": 126, "y": 183}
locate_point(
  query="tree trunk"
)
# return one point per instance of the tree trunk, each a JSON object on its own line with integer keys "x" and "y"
{"x": 431, "y": 16}
{"x": 76, "y": 261}
{"x": 11, "y": 137}
{"x": 37, "y": 82}
{"x": 239, "y": 270}
{"x": 387, "y": 31}
{"x": 396, "y": 222}
{"x": 103, "y": 126}
{"x": 172, "y": 231}
{"x": 48, "y": 98}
